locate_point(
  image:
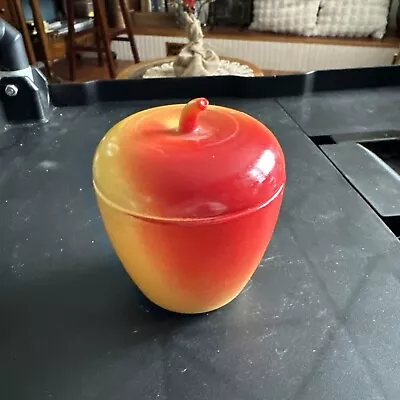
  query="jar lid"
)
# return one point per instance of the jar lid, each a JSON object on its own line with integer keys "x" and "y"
{"x": 185, "y": 162}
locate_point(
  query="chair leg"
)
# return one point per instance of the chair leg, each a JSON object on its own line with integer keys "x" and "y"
{"x": 19, "y": 13}
{"x": 100, "y": 13}
{"x": 100, "y": 61}
{"x": 70, "y": 41}
{"x": 129, "y": 30}
{"x": 43, "y": 39}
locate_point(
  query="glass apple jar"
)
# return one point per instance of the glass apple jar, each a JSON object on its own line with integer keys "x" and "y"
{"x": 189, "y": 196}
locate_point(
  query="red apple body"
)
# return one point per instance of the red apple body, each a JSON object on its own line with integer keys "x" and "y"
{"x": 190, "y": 196}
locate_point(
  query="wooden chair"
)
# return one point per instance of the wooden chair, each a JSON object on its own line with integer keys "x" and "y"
{"x": 42, "y": 35}
{"x": 18, "y": 20}
{"x": 103, "y": 36}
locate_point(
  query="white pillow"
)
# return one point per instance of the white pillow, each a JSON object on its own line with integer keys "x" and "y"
{"x": 356, "y": 18}
{"x": 285, "y": 16}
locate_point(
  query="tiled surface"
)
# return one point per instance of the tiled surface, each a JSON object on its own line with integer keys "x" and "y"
{"x": 331, "y": 379}
{"x": 373, "y": 323}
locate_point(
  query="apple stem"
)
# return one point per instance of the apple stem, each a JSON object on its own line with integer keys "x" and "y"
{"x": 190, "y": 115}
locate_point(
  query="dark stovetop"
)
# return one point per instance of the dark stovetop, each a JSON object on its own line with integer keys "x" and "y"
{"x": 319, "y": 320}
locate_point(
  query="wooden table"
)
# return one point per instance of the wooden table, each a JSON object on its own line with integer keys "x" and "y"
{"x": 136, "y": 71}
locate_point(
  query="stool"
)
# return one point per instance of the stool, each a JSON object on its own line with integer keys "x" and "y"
{"x": 103, "y": 37}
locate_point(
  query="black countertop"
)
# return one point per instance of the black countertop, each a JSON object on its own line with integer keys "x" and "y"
{"x": 345, "y": 112}
{"x": 319, "y": 320}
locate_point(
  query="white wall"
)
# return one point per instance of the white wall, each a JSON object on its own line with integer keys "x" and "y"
{"x": 271, "y": 55}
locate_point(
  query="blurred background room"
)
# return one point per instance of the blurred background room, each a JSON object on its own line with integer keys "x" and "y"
{"x": 81, "y": 40}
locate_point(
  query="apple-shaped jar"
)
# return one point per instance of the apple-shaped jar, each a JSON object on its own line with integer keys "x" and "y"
{"x": 189, "y": 196}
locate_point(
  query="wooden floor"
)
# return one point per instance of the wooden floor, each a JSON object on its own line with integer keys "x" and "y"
{"x": 88, "y": 70}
